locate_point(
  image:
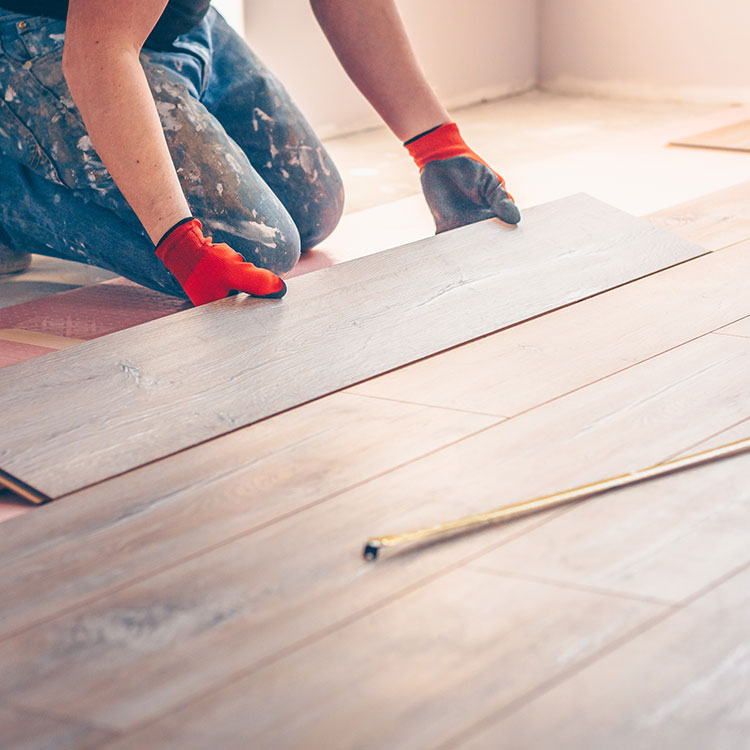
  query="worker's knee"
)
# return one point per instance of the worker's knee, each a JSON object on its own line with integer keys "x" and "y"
{"x": 321, "y": 208}
{"x": 326, "y": 210}
{"x": 269, "y": 241}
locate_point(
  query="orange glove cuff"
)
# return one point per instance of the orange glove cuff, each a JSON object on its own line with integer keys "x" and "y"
{"x": 443, "y": 142}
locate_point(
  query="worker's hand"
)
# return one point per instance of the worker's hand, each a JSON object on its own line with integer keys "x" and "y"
{"x": 208, "y": 271}
{"x": 459, "y": 186}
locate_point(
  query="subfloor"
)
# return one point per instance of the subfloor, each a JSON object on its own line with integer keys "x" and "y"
{"x": 618, "y": 623}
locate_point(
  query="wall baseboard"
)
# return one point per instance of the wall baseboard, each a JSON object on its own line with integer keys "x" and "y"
{"x": 618, "y": 89}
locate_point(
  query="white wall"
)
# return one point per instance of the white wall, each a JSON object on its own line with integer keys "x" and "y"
{"x": 470, "y": 50}
{"x": 678, "y": 49}
{"x": 479, "y": 49}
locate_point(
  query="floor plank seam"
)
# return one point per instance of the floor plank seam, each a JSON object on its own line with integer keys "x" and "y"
{"x": 350, "y": 619}
{"x": 735, "y": 335}
{"x": 587, "y": 661}
{"x": 730, "y": 245}
{"x": 230, "y": 540}
{"x": 574, "y": 586}
{"x": 566, "y": 393}
{"x": 734, "y": 322}
{"x": 694, "y": 445}
{"x": 621, "y": 370}
{"x": 428, "y": 406}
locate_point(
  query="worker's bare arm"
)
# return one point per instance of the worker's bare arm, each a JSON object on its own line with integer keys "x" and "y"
{"x": 369, "y": 39}
{"x": 103, "y": 72}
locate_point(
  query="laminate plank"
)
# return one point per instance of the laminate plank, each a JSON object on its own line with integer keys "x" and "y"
{"x": 522, "y": 367}
{"x": 406, "y": 677}
{"x": 663, "y": 540}
{"x": 684, "y": 683}
{"x": 133, "y": 525}
{"x": 734, "y": 137}
{"x": 177, "y": 631}
{"x": 125, "y": 400}
{"x": 714, "y": 221}
{"x": 21, "y": 729}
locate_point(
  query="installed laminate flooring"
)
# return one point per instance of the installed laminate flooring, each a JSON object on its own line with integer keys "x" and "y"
{"x": 682, "y": 683}
{"x": 211, "y": 493}
{"x": 283, "y": 621}
{"x": 152, "y": 390}
{"x": 217, "y": 597}
{"x": 713, "y": 221}
{"x": 734, "y": 137}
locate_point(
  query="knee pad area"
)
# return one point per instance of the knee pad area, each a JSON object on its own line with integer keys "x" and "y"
{"x": 274, "y": 245}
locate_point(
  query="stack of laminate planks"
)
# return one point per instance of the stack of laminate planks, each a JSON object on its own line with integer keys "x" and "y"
{"x": 207, "y": 589}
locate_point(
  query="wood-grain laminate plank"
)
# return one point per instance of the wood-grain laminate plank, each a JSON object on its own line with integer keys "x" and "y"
{"x": 683, "y": 683}
{"x": 632, "y": 541}
{"x": 425, "y": 667}
{"x": 152, "y": 390}
{"x": 404, "y": 678}
{"x": 21, "y": 729}
{"x": 714, "y": 221}
{"x": 170, "y": 510}
{"x": 214, "y": 617}
{"x": 734, "y": 137}
{"x": 527, "y": 365}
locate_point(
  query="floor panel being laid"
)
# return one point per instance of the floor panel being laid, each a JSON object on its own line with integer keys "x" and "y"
{"x": 734, "y": 137}
{"x": 149, "y": 391}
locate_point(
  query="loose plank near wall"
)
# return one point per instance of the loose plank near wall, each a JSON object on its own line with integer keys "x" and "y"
{"x": 176, "y": 633}
{"x": 152, "y": 390}
{"x": 734, "y": 137}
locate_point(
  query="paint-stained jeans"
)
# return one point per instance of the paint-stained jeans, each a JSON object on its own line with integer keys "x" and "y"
{"x": 251, "y": 167}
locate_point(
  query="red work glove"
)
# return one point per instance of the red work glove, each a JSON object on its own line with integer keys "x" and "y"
{"x": 208, "y": 271}
{"x": 459, "y": 186}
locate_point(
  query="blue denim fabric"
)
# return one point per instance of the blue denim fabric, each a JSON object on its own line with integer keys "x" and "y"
{"x": 251, "y": 167}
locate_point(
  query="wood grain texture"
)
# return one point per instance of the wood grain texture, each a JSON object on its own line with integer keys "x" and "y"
{"x": 734, "y": 137}
{"x": 714, "y": 221}
{"x": 323, "y": 448}
{"x": 408, "y": 676}
{"x": 632, "y": 541}
{"x": 563, "y": 356}
{"x": 21, "y": 729}
{"x": 125, "y": 400}
{"x": 175, "y": 508}
{"x": 218, "y": 616}
{"x": 682, "y": 684}
{"x": 524, "y": 366}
